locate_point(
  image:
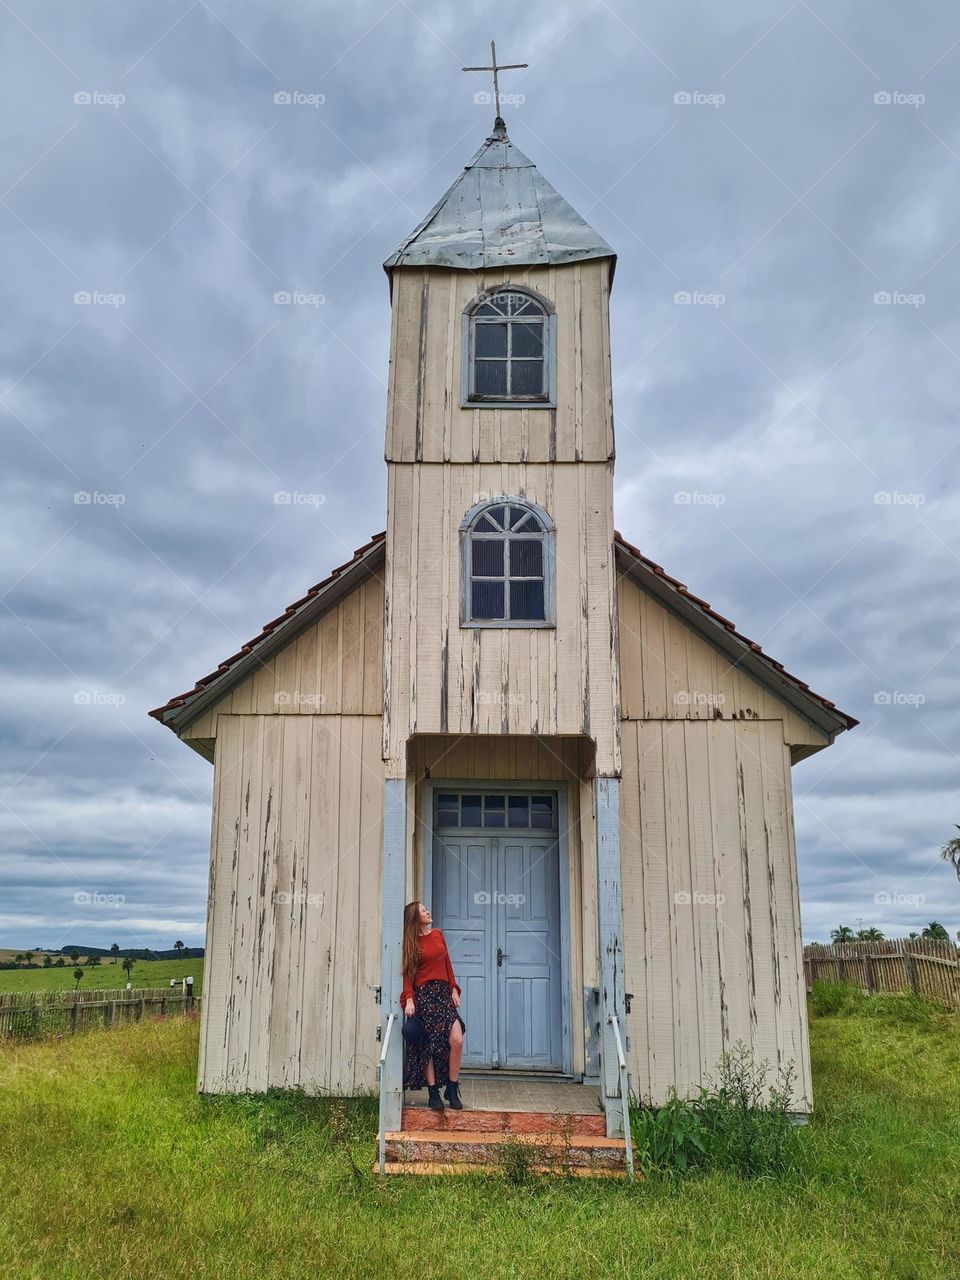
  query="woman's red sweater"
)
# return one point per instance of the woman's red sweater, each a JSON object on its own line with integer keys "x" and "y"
{"x": 434, "y": 963}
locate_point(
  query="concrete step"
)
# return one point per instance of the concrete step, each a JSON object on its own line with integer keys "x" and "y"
{"x": 557, "y": 1152}
{"x": 576, "y": 1171}
{"x": 422, "y": 1119}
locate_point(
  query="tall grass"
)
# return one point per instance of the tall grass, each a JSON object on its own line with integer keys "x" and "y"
{"x": 115, "y": 1169}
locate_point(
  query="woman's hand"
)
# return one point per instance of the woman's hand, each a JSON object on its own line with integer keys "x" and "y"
{"x": 455, "y": 997}
{"x": 408, "y": 1008}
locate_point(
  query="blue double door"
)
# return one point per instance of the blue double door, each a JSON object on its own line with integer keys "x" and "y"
{"x": 497, "y": 899}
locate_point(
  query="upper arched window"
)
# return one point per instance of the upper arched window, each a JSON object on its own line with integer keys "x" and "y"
{"x": 508, "y": 358}
{"x": 507, "y": 564}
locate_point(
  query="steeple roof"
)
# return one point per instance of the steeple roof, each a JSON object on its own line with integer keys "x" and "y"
{"x": 500, "y": 211}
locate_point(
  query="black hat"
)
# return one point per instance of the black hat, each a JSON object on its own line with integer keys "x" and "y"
{"x": 414, "y": 1031}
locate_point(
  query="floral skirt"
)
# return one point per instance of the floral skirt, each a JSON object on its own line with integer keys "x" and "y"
{"x": 435, "y": 1009}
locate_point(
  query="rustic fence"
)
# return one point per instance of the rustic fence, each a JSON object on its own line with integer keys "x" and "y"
{"x": 26, "y": 1015}
{"x": 926, "y": 966}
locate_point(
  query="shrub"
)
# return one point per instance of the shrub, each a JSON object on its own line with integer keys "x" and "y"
{"x": 740, "y": 1122}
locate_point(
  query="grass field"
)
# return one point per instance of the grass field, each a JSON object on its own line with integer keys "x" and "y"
{"x": 115, "y": 1169}
{"x": 145, "y": 973}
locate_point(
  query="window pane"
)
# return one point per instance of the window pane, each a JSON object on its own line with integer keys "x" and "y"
{"x": 447, "y": 811}
{"x": 525, "y": 306}
{"x": 485, "y": 525}
{"x": 526, "y": 339}
{"x": 498, "y": 515}
{"x": 470, "y": 811}
{"x": 519, "y": 811}
{"x": 487, "y": 310}
{"x": 494, "y": 814}
{"x": 527, "y": 524}
{"x": 526, "y": 377}
{"x": 541, "y": 812}
{"x": 526, "y": 558}
{"x": 488, "y": 557}
{"x": 486, "y": 600}
{"x": 491, "y": 340}
{"x": 526, "y": 601}
{"x": 491, "y": 377}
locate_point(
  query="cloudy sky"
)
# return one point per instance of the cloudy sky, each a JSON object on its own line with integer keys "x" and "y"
{"x": 791, "y": 168}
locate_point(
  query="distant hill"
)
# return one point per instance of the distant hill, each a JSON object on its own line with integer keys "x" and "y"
{"x": 138, "y": 953}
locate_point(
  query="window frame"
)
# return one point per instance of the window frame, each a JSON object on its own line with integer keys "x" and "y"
{"x": 547, "y": 536}
{"x": 468, "y": 398}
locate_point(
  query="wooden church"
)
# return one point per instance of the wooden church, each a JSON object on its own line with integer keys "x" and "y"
{"x": 502, "y": 708}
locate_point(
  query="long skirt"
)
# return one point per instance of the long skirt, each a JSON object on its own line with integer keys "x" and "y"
{"x": 435, "y": 1009}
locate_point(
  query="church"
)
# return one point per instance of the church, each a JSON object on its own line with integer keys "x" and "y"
{"x": 502, "y": 708}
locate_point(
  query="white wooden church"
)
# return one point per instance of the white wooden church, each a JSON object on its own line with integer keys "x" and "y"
{"x": 502, "y": 708}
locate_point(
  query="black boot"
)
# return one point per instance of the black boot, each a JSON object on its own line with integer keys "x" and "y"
{"x": 433, "y": 1100}
{"x": 452, "y": 1095}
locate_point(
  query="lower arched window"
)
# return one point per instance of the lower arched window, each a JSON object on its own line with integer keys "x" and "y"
{"x": 507, "y": 565}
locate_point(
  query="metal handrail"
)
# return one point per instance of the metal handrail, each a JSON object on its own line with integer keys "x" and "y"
{"x": 624, "y": 1093}
{"x": 383, "y": 1105}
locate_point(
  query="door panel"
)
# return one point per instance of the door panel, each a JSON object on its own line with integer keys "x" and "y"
{"x": 497, "y": 900}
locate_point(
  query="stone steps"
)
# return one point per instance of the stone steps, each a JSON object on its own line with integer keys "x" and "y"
{"x": 422, "y": 1119}
{"x": 545, "y": 1141}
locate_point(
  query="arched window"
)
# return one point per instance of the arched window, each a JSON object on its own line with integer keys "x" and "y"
{"x": 508, "y": 356}
{"x": 507, "y": 565}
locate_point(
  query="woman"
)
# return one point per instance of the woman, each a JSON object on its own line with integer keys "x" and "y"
{"x": 430, "y": 990}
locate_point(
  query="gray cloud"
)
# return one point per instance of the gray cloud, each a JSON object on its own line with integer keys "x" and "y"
{"x": 799, "y": 398}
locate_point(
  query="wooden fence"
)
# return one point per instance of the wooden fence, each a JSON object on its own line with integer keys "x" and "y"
{"x": 923, "y": 965}
{"x": 30, "y": 1014}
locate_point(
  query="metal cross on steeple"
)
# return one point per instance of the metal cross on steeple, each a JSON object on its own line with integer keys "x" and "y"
{"x": 503, "y": 66}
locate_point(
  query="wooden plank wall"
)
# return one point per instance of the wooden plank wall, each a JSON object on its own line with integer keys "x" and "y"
{"x": 425, "y": 422}
{"x": 292, "y": 921}
{"x": 442, "y": 677}
{"x": 710, "y": 901}
{"x": 334, "y": 667}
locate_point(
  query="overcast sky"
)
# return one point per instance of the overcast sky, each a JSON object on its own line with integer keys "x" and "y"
{"x": 793, "y": 169}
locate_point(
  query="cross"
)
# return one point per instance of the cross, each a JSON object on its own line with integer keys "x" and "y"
{"x": 503, "y": 66}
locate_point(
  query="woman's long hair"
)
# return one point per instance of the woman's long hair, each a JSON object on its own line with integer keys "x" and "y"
{"x": 411, "y": 940}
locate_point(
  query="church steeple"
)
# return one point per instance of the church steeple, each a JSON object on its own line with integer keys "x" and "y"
{"x": 500, "y": 212}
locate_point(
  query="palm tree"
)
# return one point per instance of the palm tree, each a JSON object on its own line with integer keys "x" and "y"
{"x": 871, "y": 934}
{"x": 29, "y": 958}
{"x": 115, "y": 951}
{"x": 843, "y": 933}
{"x": 179, "y": 946}
{"x": 950, "y": 852}
{"x": 74, "y": 955}
{"x": 935, "y": 930}
{"x": 77, "y": 977}
{"x": 128, "y": 963}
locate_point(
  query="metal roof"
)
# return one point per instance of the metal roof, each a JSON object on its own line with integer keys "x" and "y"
{"x": 500, "y": 211}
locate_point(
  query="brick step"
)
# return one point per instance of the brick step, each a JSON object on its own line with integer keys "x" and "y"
{"x": 422, "y": 1119}
{"x": 551, "y": 1150}
{"x": 428, "y": 1169}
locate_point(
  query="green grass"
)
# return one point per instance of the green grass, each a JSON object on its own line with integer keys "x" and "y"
{"x": 145, "y": 973}
{"x": 116, "y": 1169}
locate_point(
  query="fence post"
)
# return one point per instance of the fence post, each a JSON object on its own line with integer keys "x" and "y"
{"x": 187, "y": 994}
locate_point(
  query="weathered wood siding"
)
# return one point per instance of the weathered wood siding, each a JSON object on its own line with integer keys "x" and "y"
{"x": 293, "y": 908}
{"x": 442, "y": 677}
{"x": 425, "y": 422}
{"x": 710, "y": 901}
{"x": 668, "y": 672}
{"x": 334, "y": 667}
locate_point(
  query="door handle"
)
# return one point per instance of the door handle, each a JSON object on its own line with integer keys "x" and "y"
{"x": 500, "y": 955}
